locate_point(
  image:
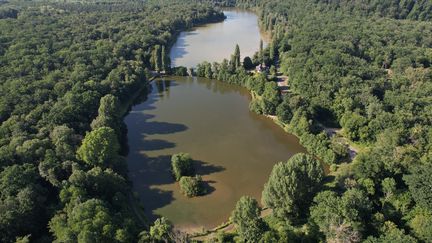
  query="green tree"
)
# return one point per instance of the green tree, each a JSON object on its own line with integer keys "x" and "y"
{"x": 247, "y": 63}
{"x": 161, "y": 230}
{"x": 89, "y": 221}
{"x": 108, "y": 113}
{"x": 191, "y": 186}
{"x": 261, "y": 51}
{"x": 22, "y": 200}
{"x": 236, "y": 57}
{"x": 419, "y": 183}
{"x": 271, "y": 97}
{"x": 181, "y": 165}
{"x": 246, "y": 217}
{"x": 156, "y": 58}
{"x": 165, "y": 62}
{"x": 99, "y": 147}
{"x": 421, "y": 224}
{"x": 391, "y": 233}
{"x": 341, "y": 219}
{"x": 292, "y": 185}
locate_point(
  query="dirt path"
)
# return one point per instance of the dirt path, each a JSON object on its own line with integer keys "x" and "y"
{"x": 331, "y": 131}
{"x": 282, "y": 82}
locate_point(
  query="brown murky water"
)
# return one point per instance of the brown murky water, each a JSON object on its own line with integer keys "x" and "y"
{"x": 234, "y": 149}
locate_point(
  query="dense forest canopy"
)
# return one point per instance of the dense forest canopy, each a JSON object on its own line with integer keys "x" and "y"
{"x": 68, "y": 71}
{"x": 362, "y": 68}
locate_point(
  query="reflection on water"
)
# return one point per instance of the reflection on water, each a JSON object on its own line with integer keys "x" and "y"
{"x": 214, "y": 42}
{"x": 233, "y": 148}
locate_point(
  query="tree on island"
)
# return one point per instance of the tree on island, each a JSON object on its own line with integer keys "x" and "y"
{"x": 192, "y": 186}
{"x": 181, "y": 165}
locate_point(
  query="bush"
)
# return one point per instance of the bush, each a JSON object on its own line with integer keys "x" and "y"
{"x": 256, "y": 106}
{"x": 192, "y": 186}
{"x": 181, "y": 165}
{"x": 180, "y": 71}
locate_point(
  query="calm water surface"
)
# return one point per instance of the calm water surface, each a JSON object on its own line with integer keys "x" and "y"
{"x": 214, "y": 42}
{"x": 233, "y": 148}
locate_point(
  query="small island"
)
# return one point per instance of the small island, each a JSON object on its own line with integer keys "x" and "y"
{"x": 191, "y": 185}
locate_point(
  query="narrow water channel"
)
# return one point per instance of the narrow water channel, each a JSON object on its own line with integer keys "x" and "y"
{"x": 234, "y": 149}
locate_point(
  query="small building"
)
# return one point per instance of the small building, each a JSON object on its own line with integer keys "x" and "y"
{"x": 261, "y": 68}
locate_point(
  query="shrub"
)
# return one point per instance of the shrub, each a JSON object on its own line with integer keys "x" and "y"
{"x": 191, "y": 186}
{"x": 181, "y": 165}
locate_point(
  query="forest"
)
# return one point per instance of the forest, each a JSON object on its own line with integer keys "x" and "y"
{"x": 364, "y": 69}
{"x": 68, "y": 71}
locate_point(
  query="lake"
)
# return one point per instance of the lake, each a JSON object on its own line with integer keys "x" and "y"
{"x": 234, "y": 149}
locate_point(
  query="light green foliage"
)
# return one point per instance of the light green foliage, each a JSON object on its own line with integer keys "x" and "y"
{"x": 421, "y": 224}
{"x": 99, "y": 147}
{"x": 246, "y": 217}
{"x": 89, "y": 221}
{"x": 65, "y": 142}
{"x": 181, "y": 165}
{"x": 161, "y": 229}
{"x": 292, "y": 185}
{"x": 256, "y": 106}
{"x": 341, "y": 219}
{"x": 95, "y": 183}
{"x": 191, "y": 186}
{"x": 108, "y": 113}
{"x": 391, "y": 233}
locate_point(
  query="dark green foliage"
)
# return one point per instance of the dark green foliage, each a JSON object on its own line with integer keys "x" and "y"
{"x": 419, "y": 183}
{"x": 292, "y": 185}
{"x": 247, "y": 63}
{"x": 66, "y": 69}
{"x": 192, "y": 186}
{"x": 22, "y": 200}
{"x": 181, "y": 165}
{"x": 283, "y": 112}
{"x": 180, "y": 71}
{"x": 235, "y": 58}
{"x": 246, "y": 217}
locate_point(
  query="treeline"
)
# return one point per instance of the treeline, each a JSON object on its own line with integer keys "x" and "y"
{"x": 363, "y": 67}
{"x": 67, "y": 71}
{"x": 399, "y": 9}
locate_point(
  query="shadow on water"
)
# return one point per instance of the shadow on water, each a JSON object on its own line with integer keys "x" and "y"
{"x": 149, "y": 173}
{"x": 208, "y": 188}
{"x": 156, "y": 171}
